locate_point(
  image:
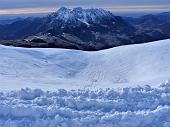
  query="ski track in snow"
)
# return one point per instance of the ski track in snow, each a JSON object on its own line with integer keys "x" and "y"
{"x": 123, "y": 66}
{"x": 128, "y": 107}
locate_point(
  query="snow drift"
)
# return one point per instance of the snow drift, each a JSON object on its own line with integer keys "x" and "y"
{"x": 70, "y": 69}
{"x": 129, "y": 107}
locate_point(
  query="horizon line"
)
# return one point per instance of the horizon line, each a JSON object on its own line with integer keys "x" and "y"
{"x": 116, "y": 9}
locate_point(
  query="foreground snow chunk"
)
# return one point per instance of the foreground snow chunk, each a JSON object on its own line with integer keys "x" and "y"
{"x": 129, "y": 107}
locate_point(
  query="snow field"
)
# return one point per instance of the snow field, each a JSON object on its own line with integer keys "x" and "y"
{"x": 128, "y": 107}
{"x": 50, "y": 69}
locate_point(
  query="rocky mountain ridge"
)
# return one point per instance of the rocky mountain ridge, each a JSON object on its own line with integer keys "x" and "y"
{"x": 83, "y": 29}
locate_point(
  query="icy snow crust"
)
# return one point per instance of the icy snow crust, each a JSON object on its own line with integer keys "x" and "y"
{"x": 128, "y": 107}
{"x": 70, "y": 69}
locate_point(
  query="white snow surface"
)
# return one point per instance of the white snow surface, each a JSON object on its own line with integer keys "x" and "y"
{"x": 129, "y": 107}
{"x": 62, "y": 87}
{"x": 52, "y": 69}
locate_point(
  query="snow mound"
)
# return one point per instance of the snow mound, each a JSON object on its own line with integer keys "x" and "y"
{"x": 70, "y": 69}
{"x": 128, "y": 107}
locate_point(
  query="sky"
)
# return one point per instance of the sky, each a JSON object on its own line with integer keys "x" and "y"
{"x": 45, "y": 6}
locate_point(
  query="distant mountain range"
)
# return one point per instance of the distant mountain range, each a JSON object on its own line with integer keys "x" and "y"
{"x": 85, "y": 29}
{"x": 9, "y": 21}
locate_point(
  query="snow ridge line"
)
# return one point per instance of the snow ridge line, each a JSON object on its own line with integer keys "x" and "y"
{"x": 134, "y": 107}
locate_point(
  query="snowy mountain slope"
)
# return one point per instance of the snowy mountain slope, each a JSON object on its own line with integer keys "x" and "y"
{"x": 71, "y": 16}
{"x": 59, "y": 68}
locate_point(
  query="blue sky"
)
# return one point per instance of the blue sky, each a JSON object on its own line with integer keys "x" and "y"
{"x": 43, "y": 6}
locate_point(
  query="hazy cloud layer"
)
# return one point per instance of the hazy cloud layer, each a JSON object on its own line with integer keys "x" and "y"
{"x": 12, "y": 4}
{"x": 115, "y": 5}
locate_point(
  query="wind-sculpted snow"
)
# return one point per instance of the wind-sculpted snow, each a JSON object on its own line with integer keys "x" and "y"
{"x": 127, "y": 107}
{"x": 50, "y": 69}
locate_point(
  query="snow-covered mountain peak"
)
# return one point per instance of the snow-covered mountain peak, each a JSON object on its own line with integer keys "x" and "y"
{"x": 77, "y": 9}
{"x": 62, "y": 11}
{"x": 92, "y": 15}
